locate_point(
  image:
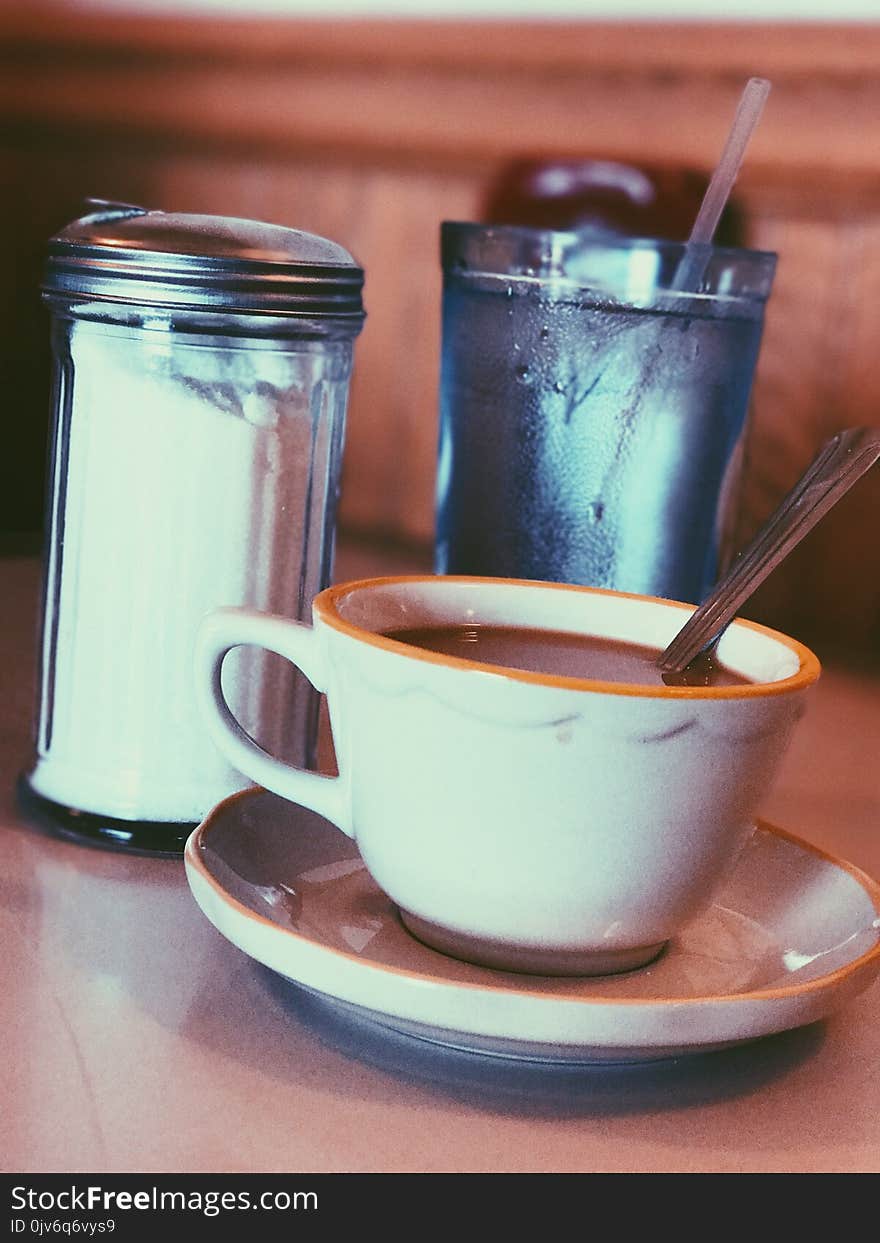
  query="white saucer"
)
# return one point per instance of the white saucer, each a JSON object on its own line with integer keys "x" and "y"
{"x": 792, "y": 935}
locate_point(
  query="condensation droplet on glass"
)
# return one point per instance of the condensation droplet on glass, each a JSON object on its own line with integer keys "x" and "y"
{"x": 558, "y": 387}
{"x": 596, "y": 511}
{"x": 544, "y": 333}
{"x": 523, "y": 373}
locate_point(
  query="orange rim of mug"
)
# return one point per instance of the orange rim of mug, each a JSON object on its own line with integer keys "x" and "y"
{"x": 326, "y": 608}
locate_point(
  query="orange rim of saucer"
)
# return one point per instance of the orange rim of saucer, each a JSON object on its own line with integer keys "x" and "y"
{"x": 196, "y": 844}
{"x": 325, "y": 608}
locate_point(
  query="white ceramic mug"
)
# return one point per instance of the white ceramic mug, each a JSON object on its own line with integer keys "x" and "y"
{"x": 525, "y": 821}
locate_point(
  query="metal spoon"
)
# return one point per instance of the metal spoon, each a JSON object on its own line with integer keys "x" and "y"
{"x": 842, "y": 461}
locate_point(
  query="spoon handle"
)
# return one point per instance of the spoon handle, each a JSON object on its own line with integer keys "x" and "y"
{"x": 840, "y": 463}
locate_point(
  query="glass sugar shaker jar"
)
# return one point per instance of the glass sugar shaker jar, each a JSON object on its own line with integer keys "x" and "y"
{"x": 201, "y": 375}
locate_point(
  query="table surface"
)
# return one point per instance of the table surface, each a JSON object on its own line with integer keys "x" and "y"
{"x": 139, "y": 1040}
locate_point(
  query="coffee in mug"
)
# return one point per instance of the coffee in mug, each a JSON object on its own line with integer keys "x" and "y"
{"x": 559, "y": 652}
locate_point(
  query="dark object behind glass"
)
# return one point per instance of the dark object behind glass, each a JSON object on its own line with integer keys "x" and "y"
{"x": 641, "y": 200}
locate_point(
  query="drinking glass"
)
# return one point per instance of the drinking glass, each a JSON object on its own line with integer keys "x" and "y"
{"x": 593, "y": 401}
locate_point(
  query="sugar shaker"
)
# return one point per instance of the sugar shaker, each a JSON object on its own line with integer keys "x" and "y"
{"x": 201, "y": 372}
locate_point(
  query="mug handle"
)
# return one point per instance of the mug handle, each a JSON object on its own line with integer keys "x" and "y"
{"x": 228, "y": 628}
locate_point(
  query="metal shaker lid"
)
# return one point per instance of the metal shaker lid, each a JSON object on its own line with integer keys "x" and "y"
{"x": 123, "y": 253}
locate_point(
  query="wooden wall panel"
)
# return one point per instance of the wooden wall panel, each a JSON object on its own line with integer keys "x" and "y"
{"x": 818, "y": 372}
{"x": 372, "y": 133}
